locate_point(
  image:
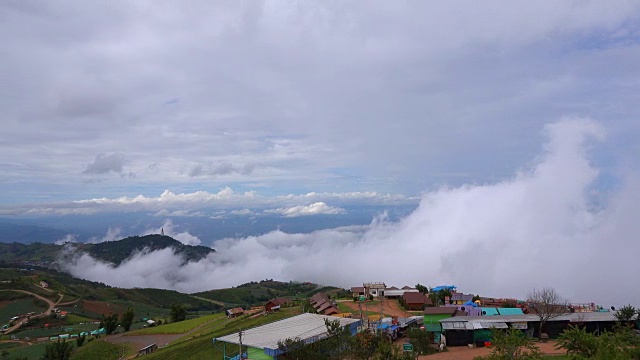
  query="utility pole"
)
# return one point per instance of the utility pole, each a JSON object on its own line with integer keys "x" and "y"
{"x": 240, "y": 336}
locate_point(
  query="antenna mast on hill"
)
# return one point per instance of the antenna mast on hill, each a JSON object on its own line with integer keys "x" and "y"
{"x": 162, "y": 231}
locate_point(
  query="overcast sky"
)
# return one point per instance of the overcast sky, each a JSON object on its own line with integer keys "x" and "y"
{"x": 121, "y": 98}
{"x": 301, "y": 108}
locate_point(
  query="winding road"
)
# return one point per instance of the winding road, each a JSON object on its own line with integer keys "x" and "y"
{"x": 22, "y": 319}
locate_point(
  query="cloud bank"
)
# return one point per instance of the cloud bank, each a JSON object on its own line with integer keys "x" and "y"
{"x": 538, "y": 228}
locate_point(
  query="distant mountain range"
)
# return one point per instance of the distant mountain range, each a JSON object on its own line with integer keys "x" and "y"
{"x": 114, "y": 252}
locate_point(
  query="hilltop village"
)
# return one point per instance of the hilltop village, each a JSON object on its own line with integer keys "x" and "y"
{"x": 43, "y": 310}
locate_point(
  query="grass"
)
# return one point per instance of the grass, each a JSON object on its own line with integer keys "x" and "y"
{"x": 97, "y": 350}
{"x": 201, "y": 346}
{"x": 75, "y": 319}
{"x": 32, "y": 352}
{"x": 16, "y": 307}
{"x": 178, "y": 327}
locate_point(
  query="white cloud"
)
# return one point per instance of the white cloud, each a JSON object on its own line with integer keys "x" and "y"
{"x": 113, "y": 234}
{"x": 538, "y": 228}
{"x": 69, "y": 238}
{"x": 200, "y": 203}
{"x": 169, "y": 229}
{"x": 318, "y": 208}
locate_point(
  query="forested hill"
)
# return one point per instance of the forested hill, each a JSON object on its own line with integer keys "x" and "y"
{"x": 112, "y": 251}
{"x": 118, "y": 251}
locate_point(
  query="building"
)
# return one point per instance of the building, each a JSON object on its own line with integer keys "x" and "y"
{"x": 276, "y": 303}
{"x": 394, "y": 292}
{"x": 358, "y": 291}
{"x": 235, "y": 312}
{"x": 433, "y": 315}
{"x": 323, "y": 305}
{"x": 415, "y": 300}
{"x": 459, "y": 298}
{"x": 262, "y": 341}
{"x": 374, "y": 289}
{"x": 44, "y": 284}
{"x": 451, "y": 288}
{"x": 465, "y": 330}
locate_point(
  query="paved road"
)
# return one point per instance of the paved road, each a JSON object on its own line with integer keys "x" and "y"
{"x": 50, "y": 303}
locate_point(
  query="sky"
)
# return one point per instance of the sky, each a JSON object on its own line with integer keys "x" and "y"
{"x": 512, "y": 127}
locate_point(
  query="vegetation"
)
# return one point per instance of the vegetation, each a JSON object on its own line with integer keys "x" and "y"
{"x": 512, "y": 344}
{"x": 58, "y": 350}
{"x": 547, "y": 304}
{"x": 258, "y": 293}
{"x": 423, "y": 289}
{"x": 178, "y": 327}
{"x": 127, "y": 319}
{"x": 109, "y": 323}
{"x": 80, "y": 340}
{"x": 438, "y": 297}
{"x": 97, "y": 350}
{"x": 200, "y": 347}
{"x": 112, "y": 251}
{"x": 178, "y": 312}
{"x": 626, "y": 313}
{"x": 118, "y": 251}
{"x": 621, "y": 344}
{"x": 342, "y": 345}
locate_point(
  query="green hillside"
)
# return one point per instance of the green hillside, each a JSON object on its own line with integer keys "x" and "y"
{"x": 118, "y": 251}
{"x": 38, "y": 254}
{"x": 257, "y": 293}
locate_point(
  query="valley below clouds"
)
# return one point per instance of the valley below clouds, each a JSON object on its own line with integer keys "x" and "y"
{"x": 546, "y": 225}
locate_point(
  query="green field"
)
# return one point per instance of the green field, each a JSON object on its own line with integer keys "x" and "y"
{"x": 17, "y": 307}
{"x": 178, "y": 327}
{"x": 76, "y": 319}
{"x": 97, "y": 350}
{"x": 33, "y": 352}
{"x": 41, "y": 332}
{"x": 200, "y": 346}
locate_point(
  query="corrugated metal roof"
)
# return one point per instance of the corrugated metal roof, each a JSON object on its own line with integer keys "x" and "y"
{"x": 308, "y": 327}
{"x": 573, "y": 317}
{"x": 489, "y": 311}
{"x": 510, "y": 311}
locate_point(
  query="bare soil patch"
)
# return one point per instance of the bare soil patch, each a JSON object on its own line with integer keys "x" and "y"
{"x": 102, "y": 307}
{"x": 389, "y": 308}
{"x": 466, "y": 353}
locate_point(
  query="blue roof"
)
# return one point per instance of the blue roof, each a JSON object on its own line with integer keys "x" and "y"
{"x": 489, "y": 311}
{"x": 393, "y": 327}
{"x": 382, "y": 326}
{"x": 444, "y": 287}
{"x": 510, "y": 311}
{"x": 470, "y": 303}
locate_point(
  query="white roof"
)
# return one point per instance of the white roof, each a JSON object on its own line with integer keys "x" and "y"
{"x": 308, "y": 327}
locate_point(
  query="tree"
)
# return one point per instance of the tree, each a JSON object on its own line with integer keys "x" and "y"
{"x": 578, "y": 342}
{"x": 423, "y": 289}
{"x": 109, "y": 323}
{"x": 547, "y": 304}
{"x": 626, "y": 313}
{"x": 438, "y": 297}
{"x": 127, "y": 319}
{"x": 622, "y": 344}
{"x": 5, "y": 354}
{"x": 59, "y": 350}
{"x": 178, "y": 312}
{"x": 511, "y": 345}
{"x": 80, "y": 340}
{"x": 422, "y": 341}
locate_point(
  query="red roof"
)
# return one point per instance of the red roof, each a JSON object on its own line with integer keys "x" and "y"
{"x": 415, "y": 298}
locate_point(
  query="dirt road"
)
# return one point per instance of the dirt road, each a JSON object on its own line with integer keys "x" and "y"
{"x": 19, "y": 322}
